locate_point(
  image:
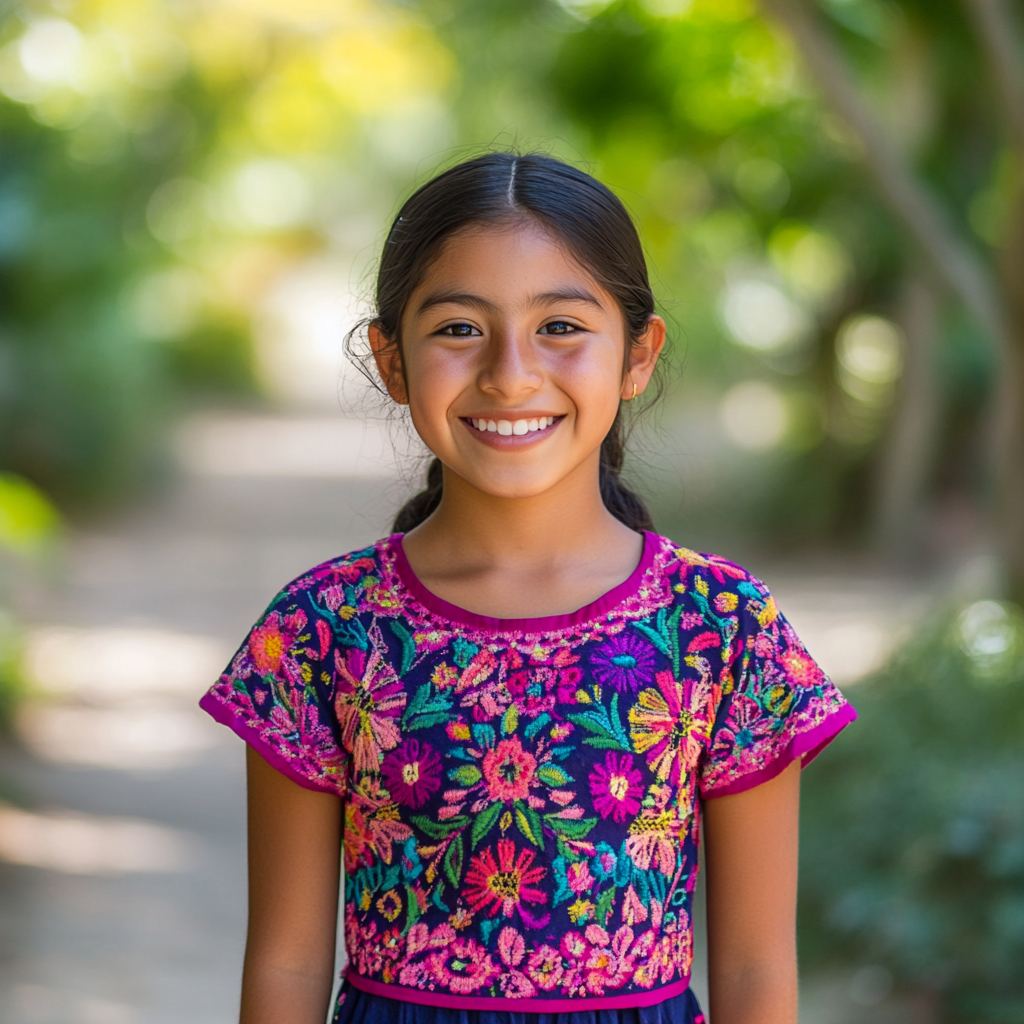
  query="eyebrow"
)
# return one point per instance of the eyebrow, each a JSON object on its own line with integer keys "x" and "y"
{"x": 466, "y": 299}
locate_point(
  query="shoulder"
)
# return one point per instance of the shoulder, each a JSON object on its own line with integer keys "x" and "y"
{"x": 336, "y": 582}
{"x": 708, "y": 573}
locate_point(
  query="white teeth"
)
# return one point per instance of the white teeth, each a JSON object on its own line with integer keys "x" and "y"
{"x": 509, "y": 427}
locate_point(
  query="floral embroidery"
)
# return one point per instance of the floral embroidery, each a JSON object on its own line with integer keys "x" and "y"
{"x": 522, "y": 807}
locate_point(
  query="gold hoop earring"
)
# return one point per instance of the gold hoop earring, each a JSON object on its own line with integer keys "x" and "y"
{"x": 632, "y": 396}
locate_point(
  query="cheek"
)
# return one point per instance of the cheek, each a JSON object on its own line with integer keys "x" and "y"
{"x": 592, "y": 377}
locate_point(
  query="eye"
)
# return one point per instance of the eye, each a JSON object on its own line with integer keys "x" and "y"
{"x": 459, "y": 330}
{"x": 559, "y": 327}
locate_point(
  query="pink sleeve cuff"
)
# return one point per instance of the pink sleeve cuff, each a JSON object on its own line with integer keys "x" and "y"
{"x": 806, "y": 746}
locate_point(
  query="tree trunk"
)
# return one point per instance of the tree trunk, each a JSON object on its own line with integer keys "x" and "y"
{"x": 1010, "y": 429}
{"x": 908, "y": 455}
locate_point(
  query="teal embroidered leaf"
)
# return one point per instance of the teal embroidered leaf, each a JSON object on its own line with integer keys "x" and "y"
{"x": 536, "y": 725}
{"x": 654, "y": 636}
{"x": 412, "y": 905}
{"x": 484, "y": 822}
{"x": 420, "y": 697}
{"x": 408, "y": 646}
{"x": 453, "y": 861}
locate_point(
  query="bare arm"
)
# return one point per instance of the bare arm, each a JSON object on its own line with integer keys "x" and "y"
{"x": 294, "y": 855}
{"x": 751, "y": 843}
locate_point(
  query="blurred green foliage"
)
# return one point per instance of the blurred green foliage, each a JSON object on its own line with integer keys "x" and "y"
{"x": 912, "y": 825}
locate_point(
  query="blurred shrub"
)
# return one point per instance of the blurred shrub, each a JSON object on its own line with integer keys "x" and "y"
{"x": 28, "y": 526}
{"x": 913, "y": 826}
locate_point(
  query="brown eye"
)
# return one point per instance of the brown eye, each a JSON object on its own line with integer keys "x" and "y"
{"x": 459, "y": 330}
{"x": 558, "y": 327}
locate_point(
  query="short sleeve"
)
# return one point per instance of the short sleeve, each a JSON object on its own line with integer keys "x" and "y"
{"x": 776, "y": 705}
{"x": 276, "y": 693}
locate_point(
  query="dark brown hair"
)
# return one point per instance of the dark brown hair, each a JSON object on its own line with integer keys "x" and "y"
{"x": 577, "y": 209}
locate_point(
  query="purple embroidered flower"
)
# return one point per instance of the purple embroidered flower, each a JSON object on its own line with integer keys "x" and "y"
{"x": 412, "y": 773}
{"x": 624, "y": 661}
{"x": 615, "y": 787}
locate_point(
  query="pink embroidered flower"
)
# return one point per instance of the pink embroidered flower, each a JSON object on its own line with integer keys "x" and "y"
{"x": 616, "y": 787}
{"x": 508, "y": 770}
{"x": 512, "y": 949}
{"x": 412, "y": 773}
{"x": 504, "y": 883}
{"x": 654, "y": 839}
{"x": 609, "y": 963}
{"x": 801, "y": 668}
{"x": 463, "y": 967}
{"x": 545, "y": 967}
{"x": 368, "y": 703}
{"x": 579, "y": 877}
{"x": 270, "y": 641}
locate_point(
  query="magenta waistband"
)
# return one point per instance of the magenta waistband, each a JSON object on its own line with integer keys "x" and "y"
{"x": 447, "y": 1001}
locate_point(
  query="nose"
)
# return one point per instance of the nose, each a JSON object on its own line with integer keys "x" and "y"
{"x": 510, "y": 366}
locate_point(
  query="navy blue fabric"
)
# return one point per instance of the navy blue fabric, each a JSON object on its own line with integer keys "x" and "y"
{"x": 357, "y": 1007}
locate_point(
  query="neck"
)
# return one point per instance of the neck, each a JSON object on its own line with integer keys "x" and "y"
{"x": 564, "y": 524}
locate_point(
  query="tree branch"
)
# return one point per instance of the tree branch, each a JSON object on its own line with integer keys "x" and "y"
{"x": 907, "y": 196}
{"x": 1001, "y": 41}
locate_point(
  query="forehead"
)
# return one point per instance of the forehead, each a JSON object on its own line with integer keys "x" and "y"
{"x": 507, "y": 256}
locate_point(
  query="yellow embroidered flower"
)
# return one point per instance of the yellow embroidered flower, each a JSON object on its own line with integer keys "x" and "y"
{"x": 726, "y": 602}
{"x": 580, "y": 911}
{"x": 390, "y": 905}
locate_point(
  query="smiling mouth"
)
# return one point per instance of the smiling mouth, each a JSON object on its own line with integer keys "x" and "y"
{"x": 510, "y": 428}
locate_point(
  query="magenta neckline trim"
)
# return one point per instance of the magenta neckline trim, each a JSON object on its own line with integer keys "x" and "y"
{"x": 221, "y": 713}
{"x": 542, "y": 624}
{"x": 448, "y": 1001}
{"x": 806, "y": 746}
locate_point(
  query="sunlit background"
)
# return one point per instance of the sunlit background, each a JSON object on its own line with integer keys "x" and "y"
{"x": 192, "y": 196}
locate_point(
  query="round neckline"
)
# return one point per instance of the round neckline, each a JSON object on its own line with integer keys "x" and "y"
{"x": 539, "y": 624}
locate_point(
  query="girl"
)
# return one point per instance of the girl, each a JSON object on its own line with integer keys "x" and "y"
{"x": 515, "y": 715}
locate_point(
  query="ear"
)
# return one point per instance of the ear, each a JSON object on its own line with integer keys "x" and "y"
{"x": 388, "y": 358}
{"x": 643, "y": 357}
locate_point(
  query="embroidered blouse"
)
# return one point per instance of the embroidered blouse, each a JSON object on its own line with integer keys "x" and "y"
{"x": 522, "y": 796}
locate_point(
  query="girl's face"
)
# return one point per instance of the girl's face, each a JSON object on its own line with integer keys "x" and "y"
{"x": 514, "y": 360}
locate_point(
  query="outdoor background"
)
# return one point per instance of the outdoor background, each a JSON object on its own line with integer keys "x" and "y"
{"x": 192, "y": 196}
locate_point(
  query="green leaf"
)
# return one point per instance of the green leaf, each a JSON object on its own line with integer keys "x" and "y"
{"x": 526, "y": 826}
{"x": 605, "y": 906}
{"x": 440, "y": 829}
{"x": 570, "y": 828}
{"x": 426, "y": 721}
{"x": 510, "y": 720}
{"x": 609, "y": 734}
{"x": 552, "y": 775}
{"x": 465, "y": 775}
{"x": 412, "y": 905}
{"x": 484, "y": 823}
{"x": 453, "y": 861}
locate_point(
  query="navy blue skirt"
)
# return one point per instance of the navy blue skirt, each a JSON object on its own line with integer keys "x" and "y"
{"x": 357, "y": 1007}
